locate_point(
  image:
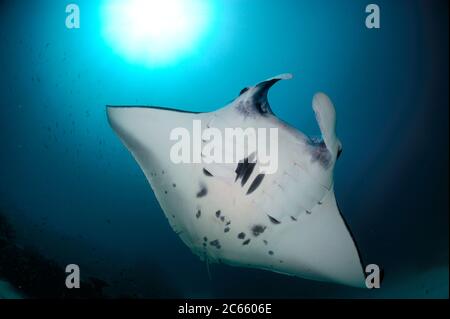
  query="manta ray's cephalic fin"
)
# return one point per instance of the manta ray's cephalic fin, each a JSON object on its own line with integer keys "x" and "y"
{"x": 326, "y": 118}
{"x": 255, "y": 97}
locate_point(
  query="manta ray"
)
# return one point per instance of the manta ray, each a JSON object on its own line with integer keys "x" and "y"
{"x": 287, "y": 222}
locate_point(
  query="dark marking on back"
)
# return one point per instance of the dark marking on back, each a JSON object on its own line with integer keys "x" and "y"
{"x": 246, "y": 242}
{"x": 258, "y": 229}
{"x": 255, "y": 184}
{"x": 273, "y": 220}
{"x": 241, "y": 235}
{"x": 202, "y": 192}
{"x": 207, "y": 173}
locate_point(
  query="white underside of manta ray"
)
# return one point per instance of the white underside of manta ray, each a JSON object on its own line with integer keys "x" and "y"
{"x": 287, "y": 222}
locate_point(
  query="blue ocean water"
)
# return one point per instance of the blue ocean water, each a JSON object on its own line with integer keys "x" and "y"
{"x": 75, "y": 194}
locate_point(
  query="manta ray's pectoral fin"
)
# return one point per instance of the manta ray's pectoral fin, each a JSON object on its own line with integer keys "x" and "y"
{"x": 320, "y": 246}
{"x": 326, "y": 118}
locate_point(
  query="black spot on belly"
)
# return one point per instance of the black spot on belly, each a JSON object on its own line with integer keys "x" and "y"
{"x": 241, "y": 235}
{"x": 202, "y": 192}
{"x": 174, "y": 185}
{"x": 273, "y": 220}
{"x": 215, "y": 243}
{"x": 265, "y": 242}
{"x": 207, "y": 173}
{"x": 293, "y": 218}
{"x": 205, "y": 238}
{"x": 258, "y": 229}
{"x": 222, "y": 218}
{"x": 165, "y": 192}
{"x": 228, "y": 223}
{"x": 245, "y": 168}
{"x": 246, "y": 242}
{"x": 308, "y": 212}
{"x": 270, "y": 252}
{"x": 226, "y": 230}
{"x": 199, "y": 213}
{"x": 218, "y": 214}
{"x": 255, "y": 184}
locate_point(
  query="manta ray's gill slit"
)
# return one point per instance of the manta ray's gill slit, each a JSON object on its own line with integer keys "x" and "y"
{"x": 274, "y": 220}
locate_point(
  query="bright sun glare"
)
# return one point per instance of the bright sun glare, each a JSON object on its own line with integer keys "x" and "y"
{"x": 155, "y": 32}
